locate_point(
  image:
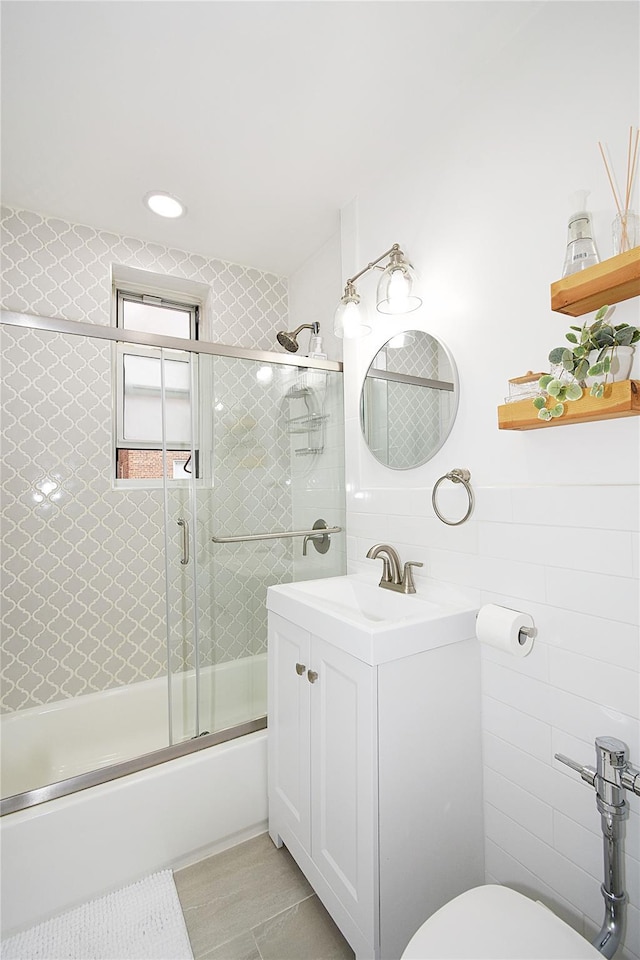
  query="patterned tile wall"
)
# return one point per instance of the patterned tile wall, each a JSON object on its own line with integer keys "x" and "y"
{"x": 412, "y": 438}
{"x": 83, "y": 585}
{"x": 56, "y": 269}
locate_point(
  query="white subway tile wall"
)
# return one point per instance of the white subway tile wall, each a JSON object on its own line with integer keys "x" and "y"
{"x": 543, "y": 550}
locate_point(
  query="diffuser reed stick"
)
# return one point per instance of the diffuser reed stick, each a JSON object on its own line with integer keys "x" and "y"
{"x": 624, "y": 209}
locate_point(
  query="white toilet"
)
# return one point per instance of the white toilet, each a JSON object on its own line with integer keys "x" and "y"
{"x": 496, "y": 923}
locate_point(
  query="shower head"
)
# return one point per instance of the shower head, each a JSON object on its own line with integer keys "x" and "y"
{"x": 289, "y": 341}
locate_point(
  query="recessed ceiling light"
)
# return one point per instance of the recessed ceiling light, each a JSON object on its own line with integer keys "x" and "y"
{"x": 164, "y": 204}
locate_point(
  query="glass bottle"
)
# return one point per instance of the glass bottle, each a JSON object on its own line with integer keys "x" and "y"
{"x": 581, "y": 249}
{"x": 626, "y": 232}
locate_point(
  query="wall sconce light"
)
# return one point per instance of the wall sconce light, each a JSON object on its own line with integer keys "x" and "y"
{"x": 395, "y": 295}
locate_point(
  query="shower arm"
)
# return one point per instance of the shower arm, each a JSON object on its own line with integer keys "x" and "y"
{"x": 612, "y": 776}
{"x": 314, "y": 327}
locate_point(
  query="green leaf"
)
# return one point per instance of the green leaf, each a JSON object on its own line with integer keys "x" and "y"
{"x": 602, "y": 312}
{"x": 596, "y": 370}
{"x": 557, "y": 354}
{"x": 573, "y": 391}
{"x": 558, "y": 410}
{"x": 571, "y": 337}
{"x": 554, "y": 387}
{"x": 544, "y": 414}
{"x": 539, "y": 402}
{"x": 575, "y": 328}
{"x": 579, "y": 352}
{"x": 624, "y": 336}
{"x": 580, "y": 371}
{"x": 545, "y": 380}
{"x": 606, "y": 363}
{"x": 597, "y": 390}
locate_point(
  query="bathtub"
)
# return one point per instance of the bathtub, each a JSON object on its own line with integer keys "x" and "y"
{"x": 72, "y": 848}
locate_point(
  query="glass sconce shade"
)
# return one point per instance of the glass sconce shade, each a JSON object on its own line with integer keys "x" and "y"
{"x": 395, "y": 294}
{"x": 350, "y": 318}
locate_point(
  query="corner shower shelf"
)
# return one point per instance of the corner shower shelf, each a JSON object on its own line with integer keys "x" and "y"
{"x": 611, "y": 281}
{"x": 620, "y": 400}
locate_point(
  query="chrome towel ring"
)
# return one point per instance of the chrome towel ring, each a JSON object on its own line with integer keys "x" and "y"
{"x": 458, "y": 475}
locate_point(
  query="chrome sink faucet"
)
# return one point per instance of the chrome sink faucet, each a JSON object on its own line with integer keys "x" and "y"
{"x": 391, "y": 578}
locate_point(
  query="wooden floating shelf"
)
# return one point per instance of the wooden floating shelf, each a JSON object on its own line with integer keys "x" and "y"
{"x": 608, "y": 282}
{"x": 620, "y": 400}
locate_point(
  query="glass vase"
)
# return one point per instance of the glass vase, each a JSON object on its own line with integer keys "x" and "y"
{"x": 626, "y": 232}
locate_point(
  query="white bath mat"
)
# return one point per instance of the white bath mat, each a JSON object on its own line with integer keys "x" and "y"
{"x": 141, "y": 922}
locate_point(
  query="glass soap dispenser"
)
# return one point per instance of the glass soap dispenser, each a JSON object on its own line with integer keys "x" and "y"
{"x": 581, "y": 249}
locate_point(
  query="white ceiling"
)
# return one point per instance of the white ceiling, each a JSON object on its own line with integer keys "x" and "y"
{"x": 264, "y": 117}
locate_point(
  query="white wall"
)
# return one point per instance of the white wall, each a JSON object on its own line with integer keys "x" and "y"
{"x": 481, "y": 207}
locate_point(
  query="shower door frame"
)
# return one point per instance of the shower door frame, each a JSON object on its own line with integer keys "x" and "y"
{"x": 93, "y": 778}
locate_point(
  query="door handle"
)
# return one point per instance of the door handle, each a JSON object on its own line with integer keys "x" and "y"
{"x": 185, "y": 540}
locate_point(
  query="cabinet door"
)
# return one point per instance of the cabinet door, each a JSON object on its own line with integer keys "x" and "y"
{"x": 289, "y": 760}
{"x": 343, "y": 738}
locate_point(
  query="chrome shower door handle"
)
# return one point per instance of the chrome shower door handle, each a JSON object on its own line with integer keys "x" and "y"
{"x": 185, "y": 540}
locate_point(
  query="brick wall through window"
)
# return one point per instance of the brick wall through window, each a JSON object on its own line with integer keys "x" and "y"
{"x": 147, "y": 464}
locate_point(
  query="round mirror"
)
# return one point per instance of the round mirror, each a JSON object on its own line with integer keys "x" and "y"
{"x": 409, "y": 400}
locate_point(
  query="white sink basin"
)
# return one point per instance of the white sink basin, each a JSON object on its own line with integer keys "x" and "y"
{"x": 372, "y": 623}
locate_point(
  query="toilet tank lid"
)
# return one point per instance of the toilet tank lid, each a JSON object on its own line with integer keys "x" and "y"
{"x": 497, "y": 923}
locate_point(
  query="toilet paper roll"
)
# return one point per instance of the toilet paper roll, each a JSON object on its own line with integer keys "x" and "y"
{"x": 500, "y": 628}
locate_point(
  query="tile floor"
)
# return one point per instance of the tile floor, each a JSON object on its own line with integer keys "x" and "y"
{"x": 252, "y": 903}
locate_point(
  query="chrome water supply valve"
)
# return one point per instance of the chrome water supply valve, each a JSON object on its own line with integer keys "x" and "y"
{"x": 612, "y": 775}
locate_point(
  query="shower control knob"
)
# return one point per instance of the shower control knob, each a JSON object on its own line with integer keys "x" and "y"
{"x": 312, "y": 676}
{"x": 300, "y": 669}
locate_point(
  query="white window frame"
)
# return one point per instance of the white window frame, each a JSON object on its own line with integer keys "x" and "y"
{"x": 121, "y": 295}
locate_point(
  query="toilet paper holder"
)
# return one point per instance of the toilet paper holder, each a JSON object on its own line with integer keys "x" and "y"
{"x": 524, "y": 633}
{"x": 506, "y": 629}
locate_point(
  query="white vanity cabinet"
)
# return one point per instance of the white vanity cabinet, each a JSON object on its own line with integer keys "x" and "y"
{"x": 321, "y": 764}
{"x": 374, "y": 772}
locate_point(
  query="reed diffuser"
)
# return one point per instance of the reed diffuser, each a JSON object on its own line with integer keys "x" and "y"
{"x": 626, "y": 226}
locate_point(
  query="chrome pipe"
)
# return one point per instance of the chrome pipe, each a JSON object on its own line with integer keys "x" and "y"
{"x": 613, "y": 928}
{"x": 612, "y": 776}
{"x": 615, "y": 898}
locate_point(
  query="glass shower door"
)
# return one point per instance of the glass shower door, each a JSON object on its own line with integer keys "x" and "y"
{"x": 271, "y": 459}
{"x": 125, "y": 627}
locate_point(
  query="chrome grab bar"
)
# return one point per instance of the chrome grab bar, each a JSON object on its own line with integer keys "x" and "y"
{"x": 185, "y": 540}
{"x": 277, "y": 535}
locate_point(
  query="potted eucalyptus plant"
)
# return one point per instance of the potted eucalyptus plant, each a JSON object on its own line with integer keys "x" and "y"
{"x": 597, "y": 350}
